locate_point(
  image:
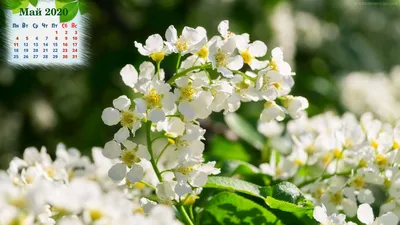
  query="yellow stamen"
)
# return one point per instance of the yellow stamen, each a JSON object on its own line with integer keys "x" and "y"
{"x": 95, "y": 214}
{"x": 396, "y": 145}
{"x": 247, "y": 57}
{"x": 127, "y": 119}
{"x": 157, "y": 56}
{"x": 128, "y": 157}
{"x": 337, "y": 198}
{"x": 203, "y": 53}
{"x": 153, "y": 98}
{"x": 382, "y": 161}
{"x": 220, "y": 58}
{"x": 374, "y": 144}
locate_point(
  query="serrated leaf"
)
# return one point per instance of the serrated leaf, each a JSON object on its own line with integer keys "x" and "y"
{"x": 34, "y": 2}
{"x": 83, "y": 7}
{"x": 72, "y": 11}
{"x": 244, "y": 130}
{"x": 227, "y": 183}
{"x": 230, "y": 208}
{"x": 12, "y": 4}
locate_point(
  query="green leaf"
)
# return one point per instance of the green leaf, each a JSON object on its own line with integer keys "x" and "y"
{"x": 288, "y": 203}
{"x": 83, "y": 7}
{"x": 72, "y": 11}
{"x": 234, "y": 167}
{"x": 286, "y": 191}
{"x": 302, "y": 212}
{"x": 230, "y": 208}
{"x": 244, "y": 130}
{"x": 12, "y": 4}
{"x": 34, "y": 2}
{"x": 227, "y": 183}
{"x": 61, "y": 3}
{"x": 222, "y": 149}
{"x": 24, "y": 4}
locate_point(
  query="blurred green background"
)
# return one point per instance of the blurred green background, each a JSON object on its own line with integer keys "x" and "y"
{"x": 322, "y": 40}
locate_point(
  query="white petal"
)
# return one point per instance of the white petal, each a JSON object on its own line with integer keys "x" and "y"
{"x": 154, "y": 43}
{"x": 141, "y": 49}
{"x": 187, "y": 110}
{"x": 182, "y": 189}
{"x": 122, "y": 134}
{"x": 235, "y": 63}
{"x": 319, "y": 214}
{"x": 156, "y": 115}
{"x": 225, "y": 72}
{"x": 171, "y": 34}
{"x": 365, "y": 214}
{"x": 175, "y": 127}
{"x": 112, "y": 150}
{"x": 258, "y": 49}
{"x": 140, "y": 105}
{"x": 229, "y": 45}
{"x": 110, "y": 116}
{"x": 388, "y": 219}
{"x": 117, "y": 172}
{"x": 129, "y": 75}
{"x": 349, "y": 207}
{"x": 277, "y": 54}
{"x": 128, "y": 144}
{"x": 366, "y": 196}
{"x": 223, "y": 27}
{"x": 122, "y": 103}
{"x": 143, "y": 153}
{"x": 200, "y": 179}
{"x": 135, "y": 174}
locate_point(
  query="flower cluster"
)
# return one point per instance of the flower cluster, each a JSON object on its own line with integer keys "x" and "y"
{"x": 72, "y": 190}
{"x": 341, "y": 162}
{"x": 212, "y": 75}
{"x": 373, "y": 92}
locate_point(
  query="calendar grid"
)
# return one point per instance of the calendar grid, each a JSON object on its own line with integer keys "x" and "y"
{"x": 44, "y": 41}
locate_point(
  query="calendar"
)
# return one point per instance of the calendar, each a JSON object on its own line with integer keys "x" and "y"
{"x": 46, "y": 33}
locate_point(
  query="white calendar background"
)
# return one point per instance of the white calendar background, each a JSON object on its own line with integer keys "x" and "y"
{"x": 43, "y": 40}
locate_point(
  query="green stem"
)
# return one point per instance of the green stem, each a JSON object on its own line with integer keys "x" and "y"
{"x": 147, "y": 184}
{"x": 243, "y": 74}
{"x": 178, "y": 62}
{"x": 150, "y": 148}
{"x": 158, "y": 69}
{"x": 324, "y": 177}
{"x": 162, "y": 152}
{"x": 184, "y": 72}
{"x": 184, "y": 215}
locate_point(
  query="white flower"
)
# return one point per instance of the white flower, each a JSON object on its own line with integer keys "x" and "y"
{"x": 272, "y": 111}
{"x": 366, "y": 216}
{"x": 195, "y": 175}
{"x": 194, "y": 102}
{"x": 282, "y": 170}
{"x": 154, "y": 48}
{"x": 320, "y": 215}
{"x": 157, "y": 98}
{"x": 295, "y": 105}
{"x": 190, "y": 41}
{"x": 223, "y": 58}
{"x": 278, "y": 64}
{"x": 250, "y": 52}
{"x": 129, "y": 119}
{"x": 130, "y": 156}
